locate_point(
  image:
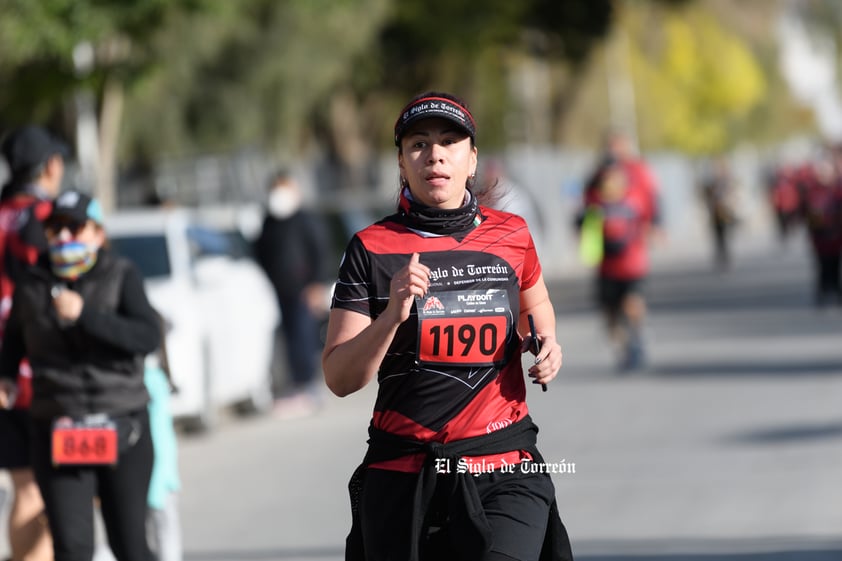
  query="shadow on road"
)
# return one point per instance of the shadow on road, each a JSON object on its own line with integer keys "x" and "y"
{"x": 817, "y": 555}
{"x": 764, "y": 368}
{"x": 291, "y": 554}
{"x": 757, "y": 549}
{"x": 789, "y": 433}
{"x": 831, "y": 553}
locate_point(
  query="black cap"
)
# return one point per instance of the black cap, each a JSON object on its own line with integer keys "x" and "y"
{"x": 28, "y": 147}
{"x": 76, "y": 207}
{"x": 432, "y": 106}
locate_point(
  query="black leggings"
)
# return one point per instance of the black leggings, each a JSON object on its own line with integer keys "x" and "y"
{"x": 69, "y": 494}
{"x": 828, "y": 284}
{"x": 516, "y": 505}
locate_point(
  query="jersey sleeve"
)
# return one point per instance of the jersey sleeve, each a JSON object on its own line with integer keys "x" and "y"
{"x": 353, "y": 285}
{"x": 28, "y": 241}
{"x": 531, "y": 265}
{"x": 648, "y": 179}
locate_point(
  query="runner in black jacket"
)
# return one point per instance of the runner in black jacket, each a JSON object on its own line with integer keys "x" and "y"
{"x": 82, "y": 318}
{"x": 434, "y": 301}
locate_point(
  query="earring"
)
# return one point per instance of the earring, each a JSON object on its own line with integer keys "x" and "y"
{"x": 404, "y": 183}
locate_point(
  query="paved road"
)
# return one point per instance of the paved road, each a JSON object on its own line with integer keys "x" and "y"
{"x": 728, "y": 447}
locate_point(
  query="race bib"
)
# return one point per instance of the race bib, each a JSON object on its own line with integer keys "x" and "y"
{"x": 463, "y": 327}
{"x": 91, "y": 441}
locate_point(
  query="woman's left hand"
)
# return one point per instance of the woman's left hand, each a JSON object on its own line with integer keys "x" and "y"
{"x": 68, "y": 304}
{"x": 547, "y": 361}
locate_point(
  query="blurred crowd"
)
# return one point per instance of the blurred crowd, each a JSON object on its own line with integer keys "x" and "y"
{"x": 808, "y": 195}
{"x": 84, "y": 382}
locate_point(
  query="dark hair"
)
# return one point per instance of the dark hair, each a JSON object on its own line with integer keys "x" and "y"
{"x": 490, "y": 193}
{"x": 27, "y": 149}
{"x": 281, "y": 175}
{"x": 17, "y": 183}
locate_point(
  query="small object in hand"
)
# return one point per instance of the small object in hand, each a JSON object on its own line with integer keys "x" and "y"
{"x": 536, "y": 343}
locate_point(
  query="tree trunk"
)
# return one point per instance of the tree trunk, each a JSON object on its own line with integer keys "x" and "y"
{"x": 109, "y": 133}
{"x": 347, "y": 142}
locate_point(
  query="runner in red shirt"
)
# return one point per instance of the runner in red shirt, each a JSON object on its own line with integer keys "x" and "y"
{"x": 36, "y": 164}
{"x": 785, "y": 199}
{"x": 434, "y": 302}
{"x": 822, "y": 209}
{"x": 624, "y": 189}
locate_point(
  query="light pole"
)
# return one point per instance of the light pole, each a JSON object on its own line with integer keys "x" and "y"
{"x": 87, "y": 137}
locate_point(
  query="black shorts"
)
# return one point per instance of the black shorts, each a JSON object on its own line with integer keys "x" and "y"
{"x": 14, "y": 439}
{"x": 611, "y": 292}
{"x": 516, "y": 505}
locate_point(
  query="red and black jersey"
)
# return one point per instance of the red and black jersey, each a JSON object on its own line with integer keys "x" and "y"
{"x": 453, "y": 370}
{"x": 639, "y": 210}
{"x": 22, "y": 239}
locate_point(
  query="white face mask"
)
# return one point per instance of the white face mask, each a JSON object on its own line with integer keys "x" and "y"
{"x": 284, "y": 202}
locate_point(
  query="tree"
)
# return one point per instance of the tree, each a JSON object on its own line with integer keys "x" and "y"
{"x": 697, "y": 81}
{"x": 39, "y": 40}
{"x": 701, "y": 73}
{"x": 302, "y": 77}
{"x": 457, "y": 45}
{"x": 214, "y": 75}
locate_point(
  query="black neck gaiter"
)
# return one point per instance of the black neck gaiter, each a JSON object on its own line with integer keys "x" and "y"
{"x": 438, "y": 221}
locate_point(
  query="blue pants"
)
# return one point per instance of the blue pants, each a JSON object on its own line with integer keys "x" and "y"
{"x": 301, "y": 335}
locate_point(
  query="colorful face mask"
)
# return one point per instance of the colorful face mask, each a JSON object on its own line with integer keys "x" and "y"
{"x": 71, "y": 259}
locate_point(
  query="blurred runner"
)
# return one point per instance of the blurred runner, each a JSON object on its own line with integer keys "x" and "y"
{"x": 822, "y": 208}
{"x": 623, "y": 190}
{"x": 719, "y": 196}
{"x": 36, "y": 162}
{"x": 785, "y": 199}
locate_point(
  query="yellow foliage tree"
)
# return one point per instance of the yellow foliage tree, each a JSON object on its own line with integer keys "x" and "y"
{"x": 695, "y": 80}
